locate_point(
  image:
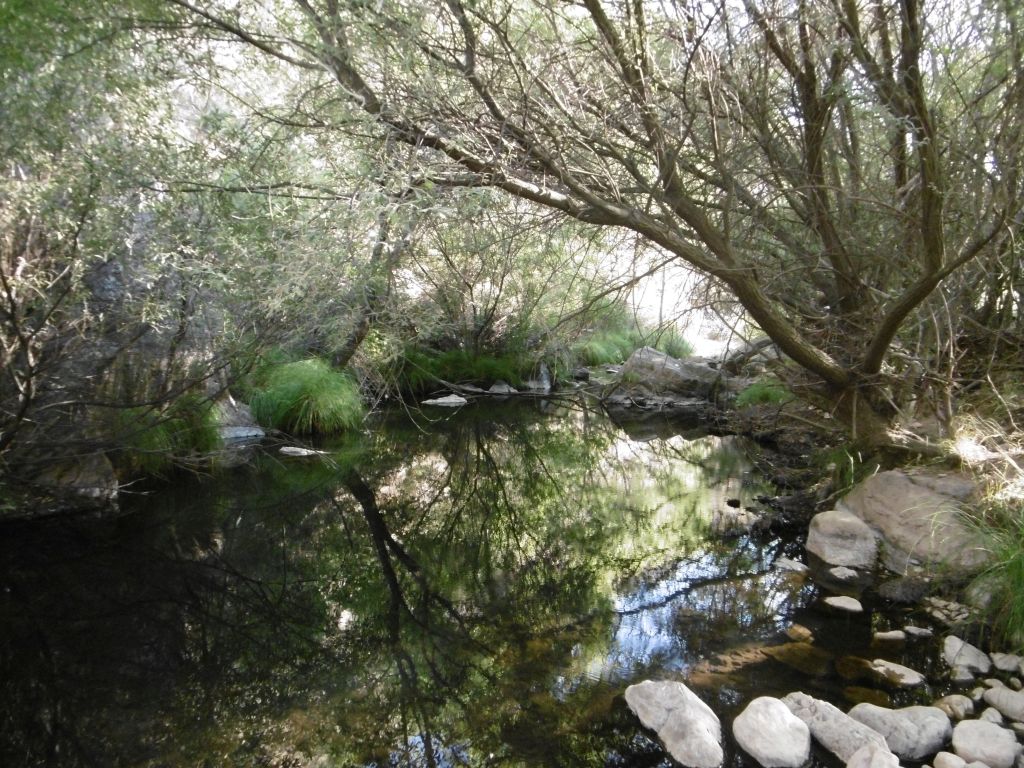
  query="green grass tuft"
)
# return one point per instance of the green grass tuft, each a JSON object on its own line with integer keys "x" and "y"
{"x": 306, "y": 397}
{"x": 1002, "y": 528}
{"x": 152, "y": 440}
{"x": 764, "y": 392}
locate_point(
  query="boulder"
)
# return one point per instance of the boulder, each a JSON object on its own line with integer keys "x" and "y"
{"x": 991, "y": 715}
{"x": 654, "y": 371}
{"x": 836, "y": 731}
{"x": 976, "y": 740}
{"x": 917, "y": 515}
{"x": 913, "y": 733}
{"x": 873, "y": 756}
{"x": 958, "y": 653}
{"x": 1009, "y": 702}
{"x": 771, "y": 734}
{"x": 840, "y": 538}
{"x": 687, "y": 727}
{"x": 85, "y": 481}
{"x": 921, "y": 632}
{"x": 502, "y": 388}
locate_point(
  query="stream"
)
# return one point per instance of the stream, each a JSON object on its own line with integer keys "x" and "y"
{"x": 474, "y": 588}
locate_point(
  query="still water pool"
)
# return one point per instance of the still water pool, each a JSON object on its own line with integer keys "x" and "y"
{"x": 473, "y": 588}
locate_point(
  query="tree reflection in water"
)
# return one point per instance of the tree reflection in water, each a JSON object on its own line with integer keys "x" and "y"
{"x": 477, "y": 592}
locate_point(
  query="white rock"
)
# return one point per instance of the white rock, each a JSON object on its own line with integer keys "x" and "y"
{"x": 837, "y": 732}
{"x": 842, "y": 538}
{"x": 873, "y": 756}
{"x": 502, "y": 388}
{"x": 977, "y": 695}
{"x": 687, "y": 727}
{"x": 448, "y": 401}
{"x": 913, "y": 733}
{"x": 991, "y": 715}
{"x": 1006, "y": 662}
{"x": 956, "y": 706}
{"x": 786, "y": 564}
{"x": 976, "y": 740}
{"x": 958, "y": 653}
{"x": 1008, "y": 702}
{"x": 961, "y": 675}
{"x": 993, "y": 682}
{"x": 299, "y": 453}
{"x": 893, "y": 636}
{"x": 913, "y": 631}
{"x": 772, "y": 735}
{"x": 897, "y": 674}
{"x": 948, "y": 760}
{"x": 845, "y": 603}
{"x": 842, "y": 573}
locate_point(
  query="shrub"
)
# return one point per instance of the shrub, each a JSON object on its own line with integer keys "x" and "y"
{"x": 306, "y": 397}
{"x": 422, "y": 370}
{"x": 764, "y": 392}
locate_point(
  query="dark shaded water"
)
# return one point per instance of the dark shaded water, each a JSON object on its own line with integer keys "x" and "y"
{"x": 474, "y": 590}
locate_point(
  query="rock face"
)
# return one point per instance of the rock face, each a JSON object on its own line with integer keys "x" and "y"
{"x": 658, "y": 373}
{"x": 841, "y": 538}
{"x": 958, "y": 653}
{"x": 1010, "y": 703}
{"x": 772, "y": 735}
{"x": 913, "y": 733}
{"x": 687, "y": 727}
{"x": 917, "y": 515}
{"x": 976, "y": 740}
{"x": 839, "y": 733}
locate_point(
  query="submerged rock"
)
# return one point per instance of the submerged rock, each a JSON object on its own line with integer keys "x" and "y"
{"x": 836, "y": 731}
{"x": 448, "y": 401}
{"x": 976, "y": 740}
{"x": 802, "y": 657}
{"x": 772, "y": 735}
{"x": 913, "y": 733}
{"x": 841, "y": 538}
{"x": 687, "y": 727}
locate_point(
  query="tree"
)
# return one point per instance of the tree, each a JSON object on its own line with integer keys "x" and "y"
{"x": 830, "y": 164}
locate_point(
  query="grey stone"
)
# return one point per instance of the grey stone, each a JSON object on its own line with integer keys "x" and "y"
{"x": 976, "y": 740}
{"x": 918, "y": 516}
{"x": 977, "y": 695}
{"x": 1016, "y": 684}
{"x": 687, "y": 727}
{"x": 961, "y": 675}
{"x": 297, "y": 452}
{"x": 873, "y": 756}
{"x": 1009, "y": 703}
{"x": 841, "y": 538}
{"x": 913, "y": 733}
{"x": 948, "y": 760}
{"x": 502, "y": 388}
{"x": 844, "y": 603}
{"x": 897, "y": 674}
{"x": 993, "y": 682}
{"x": 913, "y": 631}
{"x": 1006, "y": 662}
{"x": 959, "y": 653}
{"x": 956, "y": 706}
{"x": 837, "y": 732}
{"x": 772, "y": 735}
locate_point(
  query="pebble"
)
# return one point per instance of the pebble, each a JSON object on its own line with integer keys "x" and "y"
{"x": 961, "y": 675}
{"x": 844, "y": 603}
{"x": 1016, "y": 684}
{"x": 993, "y": 682}
{"x": 977, "y": 694}
{"x": 913, "y": 631}
{"x": 948, "y": 760}
{"x": 991, "y": 715}
{"x": 956, "y": 706}
{"x": 897, "y": 674}
{"x": 947, "y": 612}
{"x": 893, "y": 636}
{"x": 959, "y": 653}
